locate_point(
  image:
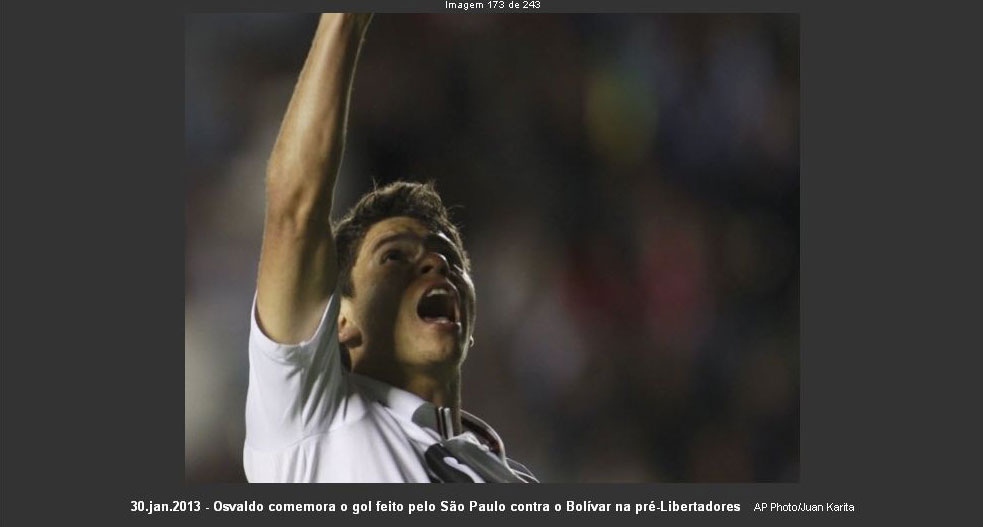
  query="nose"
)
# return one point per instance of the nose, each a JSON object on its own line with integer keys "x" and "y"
{"x": 434, "y": 262}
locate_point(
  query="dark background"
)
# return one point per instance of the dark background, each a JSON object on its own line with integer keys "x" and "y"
{"x": 628, "y": 187}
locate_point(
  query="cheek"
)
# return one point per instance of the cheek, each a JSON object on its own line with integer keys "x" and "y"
{"x": 470, "y": 297}
{"x": 384, "y": 293}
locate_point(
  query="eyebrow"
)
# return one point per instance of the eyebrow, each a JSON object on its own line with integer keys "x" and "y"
{"x": 398, "y": 236}
{"x": 432, "y": 239}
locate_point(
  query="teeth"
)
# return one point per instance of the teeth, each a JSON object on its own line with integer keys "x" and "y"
{"x": 446, "y": 292}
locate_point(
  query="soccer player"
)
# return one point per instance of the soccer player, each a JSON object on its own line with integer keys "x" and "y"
{"x": 359, "y": 331}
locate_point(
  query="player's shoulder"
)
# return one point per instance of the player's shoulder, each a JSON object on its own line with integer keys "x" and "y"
{"x": 323, "y": 336}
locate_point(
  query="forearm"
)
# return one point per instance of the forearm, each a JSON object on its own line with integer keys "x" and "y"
{"x": 308, "y": 150}
{"x": 298, "y": 265}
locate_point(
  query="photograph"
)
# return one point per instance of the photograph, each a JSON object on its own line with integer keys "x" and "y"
{"x": 514, "y": 247}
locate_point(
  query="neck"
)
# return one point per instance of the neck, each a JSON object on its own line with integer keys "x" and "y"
{"x": 442, "y": 388}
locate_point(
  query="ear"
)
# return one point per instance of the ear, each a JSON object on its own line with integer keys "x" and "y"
{"x": 349, "y": 334}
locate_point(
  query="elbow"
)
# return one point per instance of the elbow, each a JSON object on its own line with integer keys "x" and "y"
{"x": 296, "y": 209}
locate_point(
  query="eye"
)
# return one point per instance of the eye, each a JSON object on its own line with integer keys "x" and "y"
{"x": 458, "y": 265}
{"x": 453, "y": 260}
{"x": 394, "y": 255}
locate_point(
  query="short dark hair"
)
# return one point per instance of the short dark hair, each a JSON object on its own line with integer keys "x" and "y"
{"x": 419, "y": 201}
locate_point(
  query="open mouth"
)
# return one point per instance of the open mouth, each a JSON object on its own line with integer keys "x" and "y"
{"x": 438, "y": 305}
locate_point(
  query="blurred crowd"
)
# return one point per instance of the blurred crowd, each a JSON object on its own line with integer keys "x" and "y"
{"x": 628, "y": 188}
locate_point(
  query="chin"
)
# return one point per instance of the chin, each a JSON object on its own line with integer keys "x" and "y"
{"x": 430, "y": 345}
{"x": 436, "y": 355}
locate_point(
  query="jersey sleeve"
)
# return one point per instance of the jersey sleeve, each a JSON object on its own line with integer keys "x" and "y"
{"x": 295, "y": 390}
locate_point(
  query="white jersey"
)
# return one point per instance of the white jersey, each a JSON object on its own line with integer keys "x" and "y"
{"x": 308, "y": 419}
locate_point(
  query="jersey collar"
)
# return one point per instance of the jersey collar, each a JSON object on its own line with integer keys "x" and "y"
{"x": 423, "y": 413}
{"x": 404, "y": 404}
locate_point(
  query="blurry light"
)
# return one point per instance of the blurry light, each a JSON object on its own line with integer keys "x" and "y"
{"x": 620, "y": 117}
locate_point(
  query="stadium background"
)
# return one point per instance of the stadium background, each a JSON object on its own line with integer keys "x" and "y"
{"x": 628, "y": 187}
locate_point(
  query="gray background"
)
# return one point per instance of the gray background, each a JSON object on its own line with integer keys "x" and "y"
{"x": 886, "y": 331}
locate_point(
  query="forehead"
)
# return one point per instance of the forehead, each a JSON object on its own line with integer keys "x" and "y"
{"x": 390, "y": 226}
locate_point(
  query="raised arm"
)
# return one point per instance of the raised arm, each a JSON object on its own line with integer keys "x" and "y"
{"x": 298, "y": 266}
